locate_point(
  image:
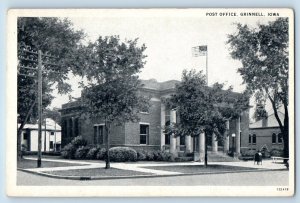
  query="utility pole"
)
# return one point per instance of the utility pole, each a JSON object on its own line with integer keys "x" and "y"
{"x": 45, "y": 137}
{"x": 40, "y": 78}
{"x": 55, "y": 136}
{"x": 26, "y": 53}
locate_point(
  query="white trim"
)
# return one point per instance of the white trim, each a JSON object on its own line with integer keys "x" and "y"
{"x": 155, "y": 99}
{"x": 143, "y": 123}
{"x": 101, "y": 124}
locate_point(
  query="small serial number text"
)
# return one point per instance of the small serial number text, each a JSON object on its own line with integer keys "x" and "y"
{"x": 282, "y": 189}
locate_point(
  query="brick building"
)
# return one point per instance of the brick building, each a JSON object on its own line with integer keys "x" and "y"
{"x": 265, "y": 134}
{"x": 148, "y": 133}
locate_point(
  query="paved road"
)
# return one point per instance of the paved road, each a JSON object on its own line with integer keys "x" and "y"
{"x": 229, "y": 179}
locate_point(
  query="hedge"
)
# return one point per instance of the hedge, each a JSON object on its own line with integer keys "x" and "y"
{"x": 78, "y": 149}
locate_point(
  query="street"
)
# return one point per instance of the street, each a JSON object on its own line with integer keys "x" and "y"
{"x": 229, "y": 179}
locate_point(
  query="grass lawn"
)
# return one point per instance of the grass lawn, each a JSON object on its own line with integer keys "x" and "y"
{"x": 199, "y": 169}
{"x": 25, "y": 163}
{"x": 97, "y": 172}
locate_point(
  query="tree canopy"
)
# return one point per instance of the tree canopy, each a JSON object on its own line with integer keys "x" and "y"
{"x": 263, "y": 52}
{"x": 54, "y": 37}
{"x": 112, "y": 93}
{"x": 203, "y": 109}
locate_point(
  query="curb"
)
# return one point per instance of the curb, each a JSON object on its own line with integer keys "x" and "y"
{"x": 138, "y": 176}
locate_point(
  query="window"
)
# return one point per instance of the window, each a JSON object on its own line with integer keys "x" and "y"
{"x": 51, "y": 133}
{"x": 144, "y": 134}
{"x": 98, "y": 134}
{"x": 250, "y": 139}
{"x": 51, "y": 144}
{"x": 70, "y": 127}
{"x": 167, "y": 138}
{"x": 279, "y": 138}
{"x": 76, "y": 127}
{"x": 254, "y": 139}
{"x": 25, "y": 136}
{"x": 182, "y": 140}
{"x": 144, "y": 110}
{"x": 167, "y": 135}
{"x": 273, "y": 138}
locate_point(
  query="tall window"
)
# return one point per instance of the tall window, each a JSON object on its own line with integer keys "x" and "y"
{"x": 98, "y": 134}
{"x": 144, "y": 134}
{"x": 250, "y": 139}
{"x": 167, "y": 120}
{"x": 76, "y": 126}
{"x": 254, "y": 139}
{"x": 280, "y": 138}
{"x": 64, "y": 129}
{"x": 51, "y": 145}
{"x": 25, "y": 136}
{"x": 182, "y": 140}
{"x": 167, "y": 135}
{"x": 274, "y": 138}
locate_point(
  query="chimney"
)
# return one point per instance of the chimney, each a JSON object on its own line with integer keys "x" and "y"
{"x": 265, "y": 121}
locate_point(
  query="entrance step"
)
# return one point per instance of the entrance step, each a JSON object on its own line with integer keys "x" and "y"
{"x": 219, "y": 157}
{"x": 184, "y": 159}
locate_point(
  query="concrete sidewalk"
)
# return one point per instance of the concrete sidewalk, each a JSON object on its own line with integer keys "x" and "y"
{"x": 140, "y": 166}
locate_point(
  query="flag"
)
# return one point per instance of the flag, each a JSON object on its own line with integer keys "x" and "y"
{"x": 199, "y": 51}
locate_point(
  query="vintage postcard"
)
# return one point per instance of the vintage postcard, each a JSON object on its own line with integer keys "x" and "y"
{"x": 150, "y": 102}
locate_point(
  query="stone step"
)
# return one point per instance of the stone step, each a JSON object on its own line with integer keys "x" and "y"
{"x": 183, "y": 159}
{"x": 184, "y": 154}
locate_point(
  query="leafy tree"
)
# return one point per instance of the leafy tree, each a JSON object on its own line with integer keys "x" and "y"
{"x": 53, "y": 36}
{"x": 54, "y": 114}
{"x": 265, "y": 65}
{"x": 203, "y": 109}
{"x": 113, "y": 84}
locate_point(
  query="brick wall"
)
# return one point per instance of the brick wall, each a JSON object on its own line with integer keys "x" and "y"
{"x": 117, "y": 134}
{"x": 132, "y": 130}
{"x": 264, "y": 138}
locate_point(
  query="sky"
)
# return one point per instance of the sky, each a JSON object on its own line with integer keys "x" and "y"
{"x": 169, "y": 40}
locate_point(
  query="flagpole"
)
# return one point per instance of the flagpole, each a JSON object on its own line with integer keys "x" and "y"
{"x": 206, "y": 63}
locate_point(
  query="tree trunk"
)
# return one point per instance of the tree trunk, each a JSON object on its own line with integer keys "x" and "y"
{"x": 107, "y": 132}
{"x": 284, "y": 128}
{"x": 285, "y": 134}
{"x": 19, "y": 132}
{"x": 205, "y": 150}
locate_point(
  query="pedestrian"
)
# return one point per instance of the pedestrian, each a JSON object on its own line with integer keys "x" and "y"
{"x": 258, "y": 158}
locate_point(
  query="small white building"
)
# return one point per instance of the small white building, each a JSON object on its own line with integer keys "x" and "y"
{"x": 51, "y": 137}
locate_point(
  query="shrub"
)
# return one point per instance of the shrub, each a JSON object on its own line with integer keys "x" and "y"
{"x": 78, "y": 141}
{"x": 122, "y": 154}
{"x": 141, "y": 155}
{"x": 249, "y": 153}
{"x": 156, "y": 155}
{"x": 92, "y": 153}
{"x": 165, "y": 156}
{"x": 68, "y": 152}
{"x": 149, "y": 156}
{"x": 81, "y": 152}
{"x": 277, "y": 152}
{"x": 70, "y": 149}
{"x": 101, "y": 155}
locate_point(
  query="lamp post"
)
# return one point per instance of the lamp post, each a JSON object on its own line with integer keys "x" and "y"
{"x": 233, "y": 144}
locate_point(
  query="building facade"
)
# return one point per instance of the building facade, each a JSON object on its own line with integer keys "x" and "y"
{"x": 265, "y": 134}
{"x": 148, "y": 134}
{"x": 51, "y": 137}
